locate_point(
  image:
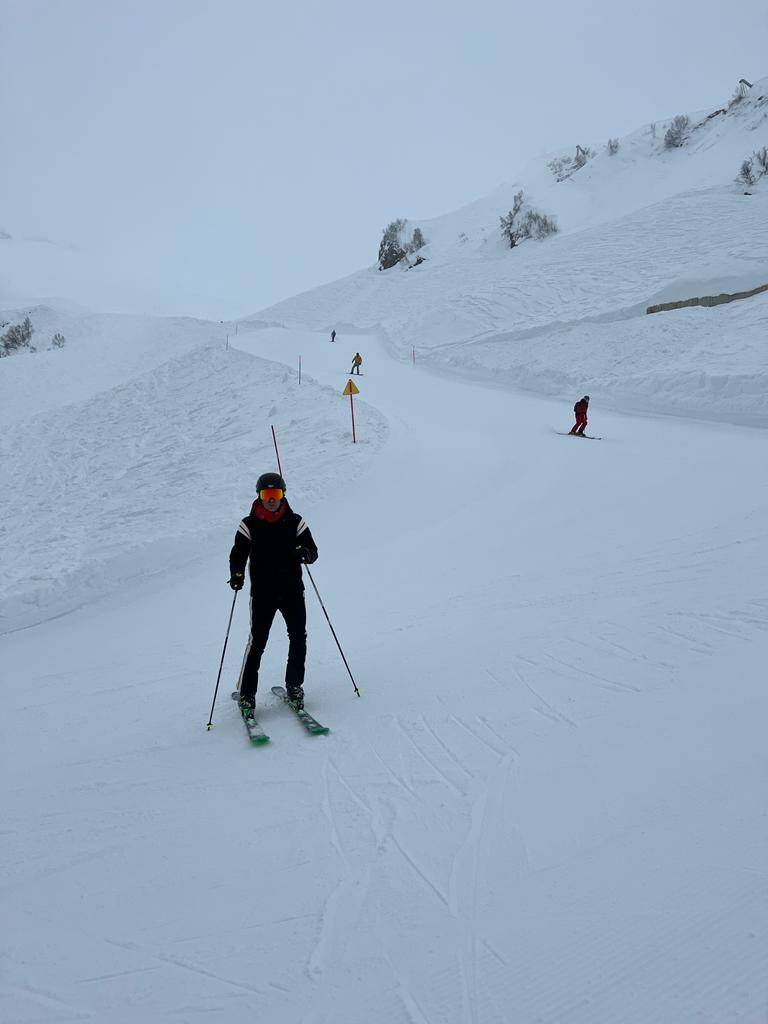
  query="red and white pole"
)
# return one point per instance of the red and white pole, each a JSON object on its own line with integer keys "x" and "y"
{"x": 277, "y": 453}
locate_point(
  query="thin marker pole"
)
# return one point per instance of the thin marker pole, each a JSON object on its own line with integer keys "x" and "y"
{"x": 352, "y": 407}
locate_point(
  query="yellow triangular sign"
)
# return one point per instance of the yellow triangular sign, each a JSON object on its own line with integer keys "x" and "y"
{"x": 351, "y": 389}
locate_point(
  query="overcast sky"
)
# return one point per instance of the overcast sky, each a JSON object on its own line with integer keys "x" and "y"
{"x": 236, "y": 152}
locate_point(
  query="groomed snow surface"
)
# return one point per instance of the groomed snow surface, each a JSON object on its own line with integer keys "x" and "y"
{"x": 548, "y": 804}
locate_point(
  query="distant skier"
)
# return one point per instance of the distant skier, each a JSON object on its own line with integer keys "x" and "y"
{"x": 357, "y": 362}
{"x": 277, "y": 541}
{"x": 333, "y": 335}
{"x": 580, "y": 409}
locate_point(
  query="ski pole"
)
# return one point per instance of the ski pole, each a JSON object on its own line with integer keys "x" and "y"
{"x": 221, "y": 663}
{"x": 277, "y": 453}
{"x": 333, "y": 631}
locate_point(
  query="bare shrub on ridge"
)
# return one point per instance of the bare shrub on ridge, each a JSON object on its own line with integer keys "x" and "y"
{"x": 521, "y": 223}
{"x": 677, "y": 133}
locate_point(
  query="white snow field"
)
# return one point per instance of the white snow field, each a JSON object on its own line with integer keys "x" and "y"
{"x": 548, "y": 805}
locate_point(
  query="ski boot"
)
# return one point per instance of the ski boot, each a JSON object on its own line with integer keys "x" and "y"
{"x": 247, "y": 706}
{"x": 295, "y": 696}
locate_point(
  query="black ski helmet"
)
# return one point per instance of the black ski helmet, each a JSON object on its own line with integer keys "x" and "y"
{"x": 586, "y": 398}
{"x": 270, "y": 480}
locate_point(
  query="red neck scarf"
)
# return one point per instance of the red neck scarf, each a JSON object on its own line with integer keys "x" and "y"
{"x": 258, "y": 510}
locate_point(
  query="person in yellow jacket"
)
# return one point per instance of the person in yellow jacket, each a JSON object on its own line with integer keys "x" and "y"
{"x": 357, "y": 362}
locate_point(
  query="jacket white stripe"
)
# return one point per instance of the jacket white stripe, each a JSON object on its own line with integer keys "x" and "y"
{"x": 301, "y": 528}
{"x": 242, "y": 528}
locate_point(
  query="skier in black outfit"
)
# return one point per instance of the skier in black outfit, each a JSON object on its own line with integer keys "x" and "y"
{"x": 277, "y": 541}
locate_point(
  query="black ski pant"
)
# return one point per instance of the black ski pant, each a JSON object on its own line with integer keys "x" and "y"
{"x": 289, "y": 602}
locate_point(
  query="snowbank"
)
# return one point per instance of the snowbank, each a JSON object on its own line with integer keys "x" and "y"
{"x": 82, "y": 511}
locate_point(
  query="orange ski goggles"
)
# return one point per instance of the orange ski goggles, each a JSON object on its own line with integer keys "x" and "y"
{"x": 271, "y": 494}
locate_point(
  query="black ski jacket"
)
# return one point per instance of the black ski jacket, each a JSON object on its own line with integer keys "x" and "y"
{"x": 271, "y": 549}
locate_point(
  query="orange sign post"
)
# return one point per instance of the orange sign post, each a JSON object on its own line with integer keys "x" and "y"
{"x": 352, "y": 389}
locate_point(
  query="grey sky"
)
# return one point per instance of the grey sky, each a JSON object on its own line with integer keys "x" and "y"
{"x": 240, "y": 151}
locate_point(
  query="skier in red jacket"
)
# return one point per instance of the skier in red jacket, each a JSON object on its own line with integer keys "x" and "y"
{"x": 581, "y": 416}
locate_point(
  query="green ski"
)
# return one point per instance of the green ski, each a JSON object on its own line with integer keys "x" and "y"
{"x": 256, "y": 734}
{"x": 310, "y": 724}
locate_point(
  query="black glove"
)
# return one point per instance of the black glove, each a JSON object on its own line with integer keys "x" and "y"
{"x": 236, "y": 581}
{"x": 306, "y": 555}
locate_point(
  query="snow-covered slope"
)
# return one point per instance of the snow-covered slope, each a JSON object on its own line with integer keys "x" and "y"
{"x": 645, "y": 225}
{"x": 101, "y": 352}
{"x": 641, "y": 173}
{"x": 128, "y": 449}
{"x": 548, "y": 804}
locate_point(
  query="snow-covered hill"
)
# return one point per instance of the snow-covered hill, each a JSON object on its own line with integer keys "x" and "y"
{"x": 567, "y": 314}
{"x": 136, "y": 444}
{"x": 641, "y": 173}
